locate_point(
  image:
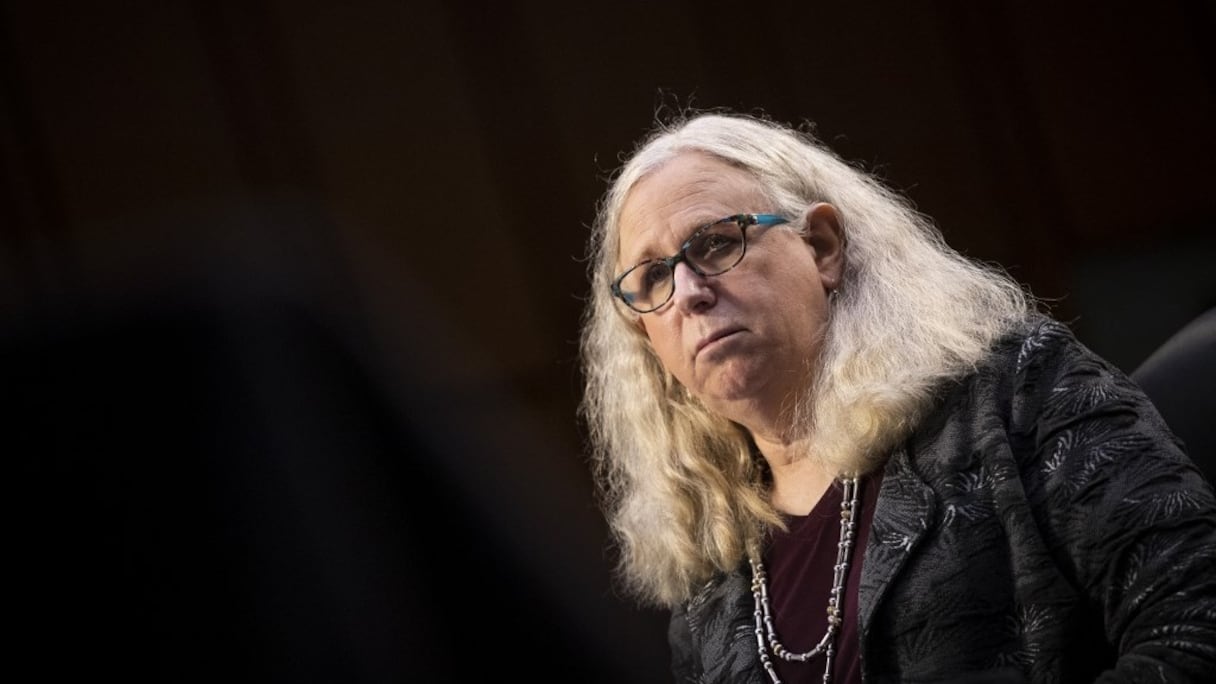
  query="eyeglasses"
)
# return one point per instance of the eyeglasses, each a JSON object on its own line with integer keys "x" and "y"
{"x": 713, "y": 249}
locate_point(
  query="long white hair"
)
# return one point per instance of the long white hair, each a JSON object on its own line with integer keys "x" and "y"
{"x": 684, "y": 494}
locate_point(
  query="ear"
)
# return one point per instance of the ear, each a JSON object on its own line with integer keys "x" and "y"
{"x": 821, "y": 230}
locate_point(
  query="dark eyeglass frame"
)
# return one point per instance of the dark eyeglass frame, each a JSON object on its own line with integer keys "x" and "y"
{"x": 744, "y": 222}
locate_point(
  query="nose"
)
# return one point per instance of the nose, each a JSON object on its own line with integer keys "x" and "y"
{"x": 693, "y": 291}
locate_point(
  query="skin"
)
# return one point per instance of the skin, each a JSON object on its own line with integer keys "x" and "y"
{"x": 743, "y": 342}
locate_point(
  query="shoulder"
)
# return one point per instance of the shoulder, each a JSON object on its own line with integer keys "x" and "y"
{"x": 1039, "y": 393}
{"x": 721, "y": 598}
{"x": 1040, "y": 374}
{"x": 1036, "y": 345}
{"x": 1073, "y": 423}
{"x": 712, "y": 634}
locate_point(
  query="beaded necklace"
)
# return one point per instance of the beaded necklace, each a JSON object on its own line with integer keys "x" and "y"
{"x": 766, "y": 634}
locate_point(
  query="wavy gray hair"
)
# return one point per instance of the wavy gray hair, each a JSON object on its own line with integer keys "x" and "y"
{"x": 682, "y": 490}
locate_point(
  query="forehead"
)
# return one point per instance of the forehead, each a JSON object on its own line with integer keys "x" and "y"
{"x": 687, "y": 191}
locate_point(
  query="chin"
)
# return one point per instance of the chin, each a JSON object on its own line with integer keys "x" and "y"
{"x": 721, "y": 398}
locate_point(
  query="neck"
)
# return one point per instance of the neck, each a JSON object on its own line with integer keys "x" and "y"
{"x": 799, "y": 480}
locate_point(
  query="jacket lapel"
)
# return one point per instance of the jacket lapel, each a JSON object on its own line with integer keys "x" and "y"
{"x": 905, "y": 506}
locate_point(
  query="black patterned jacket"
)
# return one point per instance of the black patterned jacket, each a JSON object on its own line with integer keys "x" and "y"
{"x": 1042, "y": 525}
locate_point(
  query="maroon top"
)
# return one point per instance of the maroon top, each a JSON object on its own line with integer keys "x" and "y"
{"x": 799, "y": 568}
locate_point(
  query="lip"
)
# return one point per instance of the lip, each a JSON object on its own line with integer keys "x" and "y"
{"x": 715, "y": 336}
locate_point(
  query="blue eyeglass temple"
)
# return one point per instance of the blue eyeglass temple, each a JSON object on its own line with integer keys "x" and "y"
{"x": 768, "y": 219}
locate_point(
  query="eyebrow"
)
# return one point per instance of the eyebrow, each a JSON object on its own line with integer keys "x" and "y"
{"x": 688, "y": 233}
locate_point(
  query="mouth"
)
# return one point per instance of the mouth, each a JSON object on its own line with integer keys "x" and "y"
{"x": 716, "y": 336}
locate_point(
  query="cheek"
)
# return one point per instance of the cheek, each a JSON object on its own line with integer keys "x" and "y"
{"x": 665, "y": 342}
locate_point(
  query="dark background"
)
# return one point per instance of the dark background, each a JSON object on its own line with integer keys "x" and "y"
{"x": 290, "y": 291}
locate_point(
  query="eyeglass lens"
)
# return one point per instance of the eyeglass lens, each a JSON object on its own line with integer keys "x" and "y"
{"x": 713, "y": 250}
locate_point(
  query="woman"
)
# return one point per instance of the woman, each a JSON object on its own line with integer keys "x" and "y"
{"x": 837, "y": 450}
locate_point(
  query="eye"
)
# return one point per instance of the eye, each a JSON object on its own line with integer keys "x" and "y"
{"x": 720, "y": 242}
{"x": 644, "y": 280}
{"x": 653, "y": 275}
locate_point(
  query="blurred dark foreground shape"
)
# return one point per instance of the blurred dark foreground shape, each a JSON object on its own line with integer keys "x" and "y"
{"x": 221, "y": 477}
